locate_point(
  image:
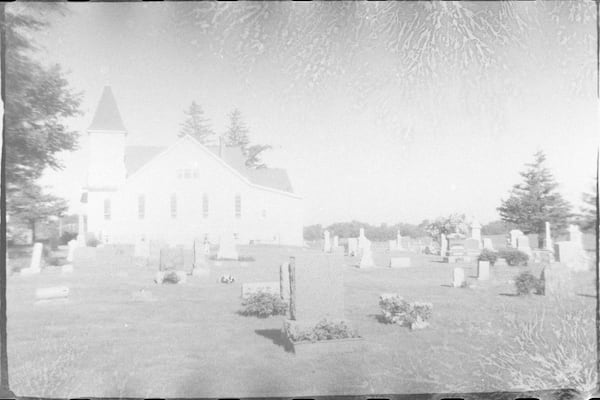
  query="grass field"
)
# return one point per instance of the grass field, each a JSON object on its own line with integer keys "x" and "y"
{"x": 188, "y": 340}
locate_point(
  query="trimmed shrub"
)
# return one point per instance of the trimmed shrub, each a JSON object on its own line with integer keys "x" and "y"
{"x": 488, "y": 255}
{"x": 324, "y": 330}
{"x": 92, "y": 241}
{"x": 263, "y": 305}
{"x": 527, "y": 284}
{"x": 396, "y": 310}
{"x": 514, "y": 257}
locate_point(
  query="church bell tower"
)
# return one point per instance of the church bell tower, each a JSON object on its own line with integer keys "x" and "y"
{"x": 107, "y": 145}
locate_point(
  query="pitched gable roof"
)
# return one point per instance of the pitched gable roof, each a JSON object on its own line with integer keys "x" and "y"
{"x": 274, "y": 178}
{"x": 107, "y": 116}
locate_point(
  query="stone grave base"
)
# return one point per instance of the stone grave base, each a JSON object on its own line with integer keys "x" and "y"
{"x": 320, "y": 347}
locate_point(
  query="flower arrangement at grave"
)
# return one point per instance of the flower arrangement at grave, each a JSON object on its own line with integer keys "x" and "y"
{"x": 527, "y": 284}
{"x": 396, "y": 310}
{"x": 488, "y": 255}
{"x": 325, "y": 329}
{"x": 263, "y": 305}
{"x": 514, "y": 257}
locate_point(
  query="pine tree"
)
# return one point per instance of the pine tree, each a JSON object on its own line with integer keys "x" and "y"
{"x": 588, "y": 220}
{"x": 536, "y": 201}
{"x": 252, "y": 154}
{"x": 237, "y": 133}
{"x": 196, "y": 125}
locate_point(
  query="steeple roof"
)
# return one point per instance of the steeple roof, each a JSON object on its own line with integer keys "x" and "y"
{"x": 107, "y": 117}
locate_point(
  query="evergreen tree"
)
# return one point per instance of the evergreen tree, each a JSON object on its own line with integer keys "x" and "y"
{"x": 195, "y": 124}
{"x": 588, "y": 220}
{"x": 31, "y": 205}
{"x": 38, "y": 100}
{"x": 237, "y": 133}
{"x": 535, "y": 201}
{"x": 252, "y": 156}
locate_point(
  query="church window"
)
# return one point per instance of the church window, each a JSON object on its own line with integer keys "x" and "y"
{"x": 107, "y": 209}
{"x": 141, "y": 206}
{"x": 205, "y": 205}
{"x": 238, "y": 206}
{"x": 173, "y": 205}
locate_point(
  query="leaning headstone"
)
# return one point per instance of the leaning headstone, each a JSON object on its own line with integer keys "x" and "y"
{"x": 52, "y": 293}
{"x": 352, "y": 247}
{"x": 458, "y": 277}
{"x": 249, "y": 289}
{"x": 227, "y": 250}
{"x": 366, "y": 260}
{"x": 326, "y": 242}
{"x": 483, "y": 270}
{"x": 399, "y": 262}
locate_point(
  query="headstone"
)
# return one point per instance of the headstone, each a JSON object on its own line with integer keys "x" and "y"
{"x": 319, "y": 287}
{"x": 572, "y": 255}
{"x": 487, "y": 244}
{"x": 171, "y": 259}
{"x": 476, "y": 231}
{"x": 326, "y": 242}
{"x": 142, "y": 249}
{"x": 338, "y": 250}
{"x": 523, "y": 245}
{"x": 366, "y": 260}
{"x": 227, "y": 250}
{"x": 51, "y": 293}
{"x": 500, "y": 262}
{"x": 558, "y": 280}
{"x": 483, "y": 270}
{"x": 575, "y": 234}
{"x": 257, "y": 287}
{"x": 443, "y": 245}
{"x": 67, "y": 268}
{"x": 362, "y": 240}
{"x": 284, "y": 280}
{"x": 392, "y": 245}
{"x": 352, "y": 247}
{"x": 399, "y": 241}
{"x": 399, "y": 262}
{"x": 71, "y": 252}
{"x": 514, "y": 234}
{"x": 548, "y": 242}
{"x": 336, "y": 241}
{"x": 36, "y": 256}
{"x": 472, "y": 246}
{"x": 458, "y": 277}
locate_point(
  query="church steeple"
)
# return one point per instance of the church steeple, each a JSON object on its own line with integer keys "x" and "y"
{"x": 107, "y": 116}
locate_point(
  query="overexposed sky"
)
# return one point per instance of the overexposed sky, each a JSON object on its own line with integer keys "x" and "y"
{"x": 359, "y": 139}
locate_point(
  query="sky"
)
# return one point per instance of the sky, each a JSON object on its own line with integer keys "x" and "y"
{"x": 362, "y": 134}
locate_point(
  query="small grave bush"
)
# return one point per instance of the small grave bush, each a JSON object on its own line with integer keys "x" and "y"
{"x": 514, "y": 257}
{"x": 488, "y": 255}
{"x": 396, "y": 310}
{"x": 526, "y": 284}
{"x": 324, "y": 330}
{"x": 263, "y": 305}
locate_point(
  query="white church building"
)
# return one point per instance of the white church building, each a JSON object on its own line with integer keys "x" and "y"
{"x": 181, "y": 192}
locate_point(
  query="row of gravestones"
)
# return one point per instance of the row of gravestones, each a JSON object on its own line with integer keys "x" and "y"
{"x": 354, "y": 244}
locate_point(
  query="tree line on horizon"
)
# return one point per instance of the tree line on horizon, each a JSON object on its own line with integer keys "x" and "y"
{"x": 530, "y": 204}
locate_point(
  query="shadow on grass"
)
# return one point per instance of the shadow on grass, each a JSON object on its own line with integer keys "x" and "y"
{"x": 379, "y": 318}
{"x": 446, "y": 285}
{"x": 276, "y": 337}
{"x": 593, "y": 296}
{"x": 509, "y": 294}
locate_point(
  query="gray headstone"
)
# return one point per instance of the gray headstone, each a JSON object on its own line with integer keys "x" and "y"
{"x": 352, "y": 247}
{"x": 319, "y": 286}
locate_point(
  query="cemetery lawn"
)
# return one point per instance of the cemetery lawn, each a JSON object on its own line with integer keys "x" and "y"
{"x": 189, "y": 341}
